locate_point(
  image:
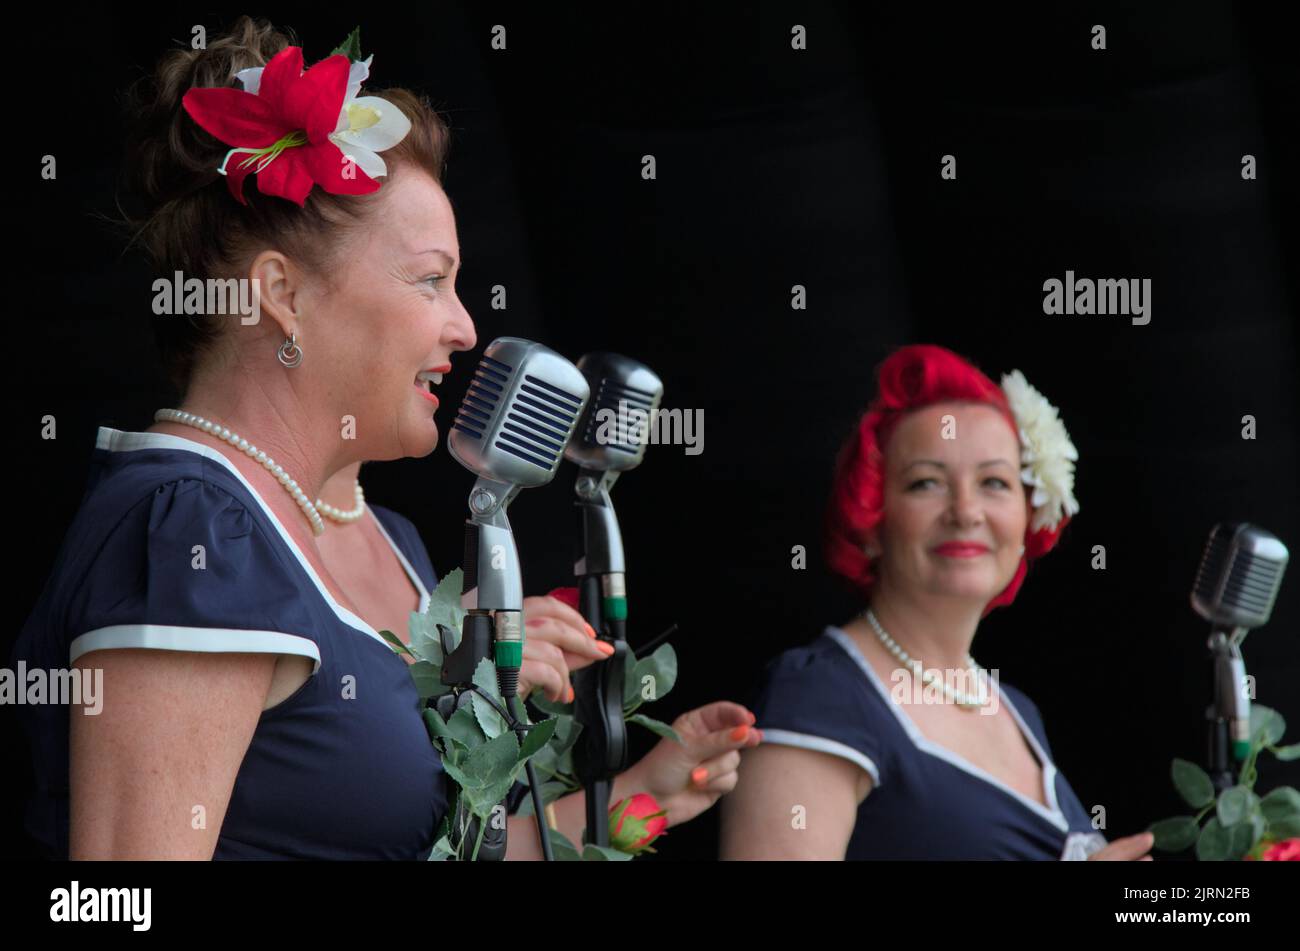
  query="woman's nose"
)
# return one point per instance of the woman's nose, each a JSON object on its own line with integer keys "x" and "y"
{"x": 965, "y": 508}
{"x": 460, "y": 333}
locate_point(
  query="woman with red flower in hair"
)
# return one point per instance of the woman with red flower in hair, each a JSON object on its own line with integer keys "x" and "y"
{"x": 883, "y": 739}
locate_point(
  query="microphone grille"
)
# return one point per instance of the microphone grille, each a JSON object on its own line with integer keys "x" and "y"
{"x": 518, "y": 413}
{"x": 1239, "y": 575}
{"x": 625, "y": 392}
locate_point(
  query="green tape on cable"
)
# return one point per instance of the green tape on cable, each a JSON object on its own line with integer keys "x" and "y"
{"x": 1241, "y": 749}
{"x": 509, "y": 653}
{"x": 615, "y": 608}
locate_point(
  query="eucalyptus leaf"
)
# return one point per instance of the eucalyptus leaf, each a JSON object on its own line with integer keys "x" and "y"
{"x": 426, "y": 643}
{"x": 661, "y": 666}
{"x": 536, "y": 739}
{"x": 654, "y": 726}
{"x": 1214, "y": 842}
{"x": 444, "y": 602}
{"x": 1287, "y": 752}
{"x": 598, "y": 853}
{"x": 489, "y": 720}
{"x": 464, "y": 727}
{"x": 428, "y": 679}
{"x": 1287, "y": 827}
{"x": 1280, "y": 803}
{"x": 1235, "y": 804}
{"x": 1267, "y": 720}
{"x": 562, "y": 848}
{"x": 1241, "y": 838}
{"x": 396, "y": 641}
{"x": 1176, "y": 834}
{"x": 1192, "y": 783}
{"x": 442, "y": 850}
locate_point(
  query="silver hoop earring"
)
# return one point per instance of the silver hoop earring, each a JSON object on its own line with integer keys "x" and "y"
{"x": 289, "y": 352}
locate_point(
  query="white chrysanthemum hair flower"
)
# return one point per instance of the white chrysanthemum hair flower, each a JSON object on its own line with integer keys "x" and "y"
{"x": 1046, "y": 455}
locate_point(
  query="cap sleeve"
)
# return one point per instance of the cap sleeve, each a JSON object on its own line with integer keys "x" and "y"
{"x": 814, "y": 698}
{"x": 190, "y": 568}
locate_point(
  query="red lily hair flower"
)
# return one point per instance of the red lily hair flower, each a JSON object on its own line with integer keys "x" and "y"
{"x": 283, "y": 132}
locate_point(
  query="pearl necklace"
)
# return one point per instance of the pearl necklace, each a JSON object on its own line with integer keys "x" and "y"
{"x": 243, "y": 445}
{"x": 964, "y": 701}
{"x": 340, "y": 516}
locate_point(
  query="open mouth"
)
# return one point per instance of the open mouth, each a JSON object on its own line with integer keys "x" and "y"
{"x": 425, "y": 381}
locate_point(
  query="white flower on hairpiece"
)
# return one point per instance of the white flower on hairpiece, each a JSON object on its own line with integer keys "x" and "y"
{"x": 367, "y": 124}
{"x": 1046, "y": 453}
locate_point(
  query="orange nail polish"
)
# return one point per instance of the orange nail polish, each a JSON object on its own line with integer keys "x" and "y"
{"x": 591, "y": 631}
{"x": 572, "y": 694}
{"x": 699, "y": 775}
{"x": 606, "y": 648}
{"x": 740, "y": 732}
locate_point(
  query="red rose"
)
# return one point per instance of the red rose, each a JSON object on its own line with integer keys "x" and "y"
{"x": 1288, "y": 850}
{"x": 635, "y": 822}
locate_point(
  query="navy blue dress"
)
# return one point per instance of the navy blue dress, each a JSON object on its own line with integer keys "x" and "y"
{"x": 173, "y": 549}
{"x": 926, "y": 802}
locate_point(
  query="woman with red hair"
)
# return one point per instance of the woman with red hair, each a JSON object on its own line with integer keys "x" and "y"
{"x": 884, "y": 739}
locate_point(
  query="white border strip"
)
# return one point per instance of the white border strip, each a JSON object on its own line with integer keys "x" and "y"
{"x": 822, "y": 745}
{"x": 210, "y": 640}
{"x": 116, "y": 440}
{"x": 1054, "y": 815}
{"x": 411, "y": 573}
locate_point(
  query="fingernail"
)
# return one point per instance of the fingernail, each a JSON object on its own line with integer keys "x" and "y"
{"x": 572, "y": 694}
{"x": 604, "y": 647}
{"x": 740, "y": 732}
{"x": 699, "y": 775}
{"x": 591, "y": 631}
{"x": 760, "y": 734}
{"x": 752, "y": 719}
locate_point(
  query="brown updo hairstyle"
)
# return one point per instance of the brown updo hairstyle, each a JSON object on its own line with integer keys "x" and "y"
{"x": 177, "y": 206}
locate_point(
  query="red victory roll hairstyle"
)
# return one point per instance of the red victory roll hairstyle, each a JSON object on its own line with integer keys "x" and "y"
{"x": 909, "y": 379}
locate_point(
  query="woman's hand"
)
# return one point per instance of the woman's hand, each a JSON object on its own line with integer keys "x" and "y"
{"x": 687, "y": 778}
{"x": 556, "y": 641}
{"x": 1134, "y": 847}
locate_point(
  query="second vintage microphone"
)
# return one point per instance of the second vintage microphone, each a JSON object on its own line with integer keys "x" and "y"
{"x": 610, "y": 439}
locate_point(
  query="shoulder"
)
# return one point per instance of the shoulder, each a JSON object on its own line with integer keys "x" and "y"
{"x": 177, "y": 554}
{"x": 816, "y": 697}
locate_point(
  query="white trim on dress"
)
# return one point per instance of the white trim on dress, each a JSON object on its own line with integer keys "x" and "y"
{"x": 420, "y": 589}
{"x": 205, "y": 639}
{"x": 821, "y": 744}
{"x": 1054, "y": 815}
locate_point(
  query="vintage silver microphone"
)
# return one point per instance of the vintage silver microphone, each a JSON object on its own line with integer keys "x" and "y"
{"x": 1236, "y": 585}
{"x": 510, "y": 431}
{"x": 610, "y": 439}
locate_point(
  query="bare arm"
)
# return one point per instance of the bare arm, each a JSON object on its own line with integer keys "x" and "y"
{"x": 173, "y": 730}
{"x": 791, "y": 803}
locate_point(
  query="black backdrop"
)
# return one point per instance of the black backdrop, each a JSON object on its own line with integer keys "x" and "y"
{"x": 775, "y": 168}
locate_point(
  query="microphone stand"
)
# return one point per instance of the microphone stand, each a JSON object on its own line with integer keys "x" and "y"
{"x": 492, "y": 628}
{"x": 1228, "y": 676}
{"x": 601, "y": 751}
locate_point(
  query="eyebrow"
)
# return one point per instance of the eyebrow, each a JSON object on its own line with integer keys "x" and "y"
{"x": 454, "y": 262}
{"x": 933, "y": 462}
